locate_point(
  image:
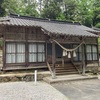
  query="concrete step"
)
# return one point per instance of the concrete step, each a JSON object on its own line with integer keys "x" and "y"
{"x": 64, "y": 68}
{"x": 66, "y": 73}
{"x": 68, "y": 78}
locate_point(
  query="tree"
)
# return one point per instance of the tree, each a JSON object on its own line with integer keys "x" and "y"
{"x": 30, "y": 8}
{"x": 10, "y": 6}
{"x": 69, "y": 9}
{"x": 84, "y": 13}
{"x": 2, "y": 10}
{"x": 96, "y": 16}
{"x": 51, "y": 10}
{"x": 22, "y": 7}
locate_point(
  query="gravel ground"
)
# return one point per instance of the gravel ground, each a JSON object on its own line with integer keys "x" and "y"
{"x": 29, "y": 91}
{"x": 80, "y": 90}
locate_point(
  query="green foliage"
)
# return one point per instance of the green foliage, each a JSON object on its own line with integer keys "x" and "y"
{"x": 61, "y": 17}
{"x": 70, "y": 9}
{"x": 85, "y": 12}
{"x": 2, "y": 10}
{"x": 51, "y": 10}
{"x": 99, "y": 44}
{"x": 99, "y": 40}
{"x": 10, "y": 6}
{"x": 30, "y": 8}
{"x": 96, "y": 16}
{"x": 1, "y": 43}
{"x": 97, "y": 25}
{"x": 22, "y": 7}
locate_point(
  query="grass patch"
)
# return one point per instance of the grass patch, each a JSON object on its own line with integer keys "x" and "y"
{"x": 99, "y": 40}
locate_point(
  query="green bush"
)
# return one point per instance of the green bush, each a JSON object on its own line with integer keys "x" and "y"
{"x": 1, "y": 43}
{"x": 97, "y": 25}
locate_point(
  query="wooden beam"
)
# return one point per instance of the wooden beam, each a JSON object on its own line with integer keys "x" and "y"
{"x": 53, "y": 59}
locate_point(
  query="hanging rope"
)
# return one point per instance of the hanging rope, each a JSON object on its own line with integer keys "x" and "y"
{"x": 66, "y": 48}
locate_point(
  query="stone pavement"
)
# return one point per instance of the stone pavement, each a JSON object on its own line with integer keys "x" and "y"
{"x": 80, "y": 90}
{"x": 29, "y": 91}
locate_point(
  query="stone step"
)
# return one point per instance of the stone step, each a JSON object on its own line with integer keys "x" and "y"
{"x": 65, "y": 70}
{"x": 68, "y": 78}
{"x": 69, "y": 70}
{"x": 66, "y": 73}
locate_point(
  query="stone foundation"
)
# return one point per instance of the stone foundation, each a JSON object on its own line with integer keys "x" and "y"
{"x": 23, "y": 77}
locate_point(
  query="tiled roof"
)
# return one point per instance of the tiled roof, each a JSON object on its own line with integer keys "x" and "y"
{"x": 52, "y": 26}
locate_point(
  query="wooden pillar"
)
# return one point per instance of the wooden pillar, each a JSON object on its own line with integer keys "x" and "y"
{"x": 98, "y": 53}
{"x": 83, "y": 60}
{"x": 53, "y": 59}
{"x": 26, "y": 54}
{"x": 4, "y": 49}
{"x": 46, "y": 51}
{"x": 26, "y": 47}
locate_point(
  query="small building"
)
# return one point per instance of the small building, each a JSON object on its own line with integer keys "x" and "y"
{"x": 60, "y": 46}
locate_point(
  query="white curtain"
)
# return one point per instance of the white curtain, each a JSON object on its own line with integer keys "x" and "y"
{"x": 41, "y": 56}
{"x": 10, "y": 58}
{"x": 94, "y": 49}
{"x": 10, "y": 53}
{"x": 40, "y": 48}
{"x": 36, "y": 53}
{"x": 10, "y": 48}
{"x": 89, "y": 52}
{"x": 32, "y": 48}
{"x": 32, "y": 53}
{"x": 20, "y": 53}
{"x": 15, "y": 53}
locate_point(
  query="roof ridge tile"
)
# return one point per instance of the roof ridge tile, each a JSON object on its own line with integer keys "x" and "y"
{"x": 44, "y": 19}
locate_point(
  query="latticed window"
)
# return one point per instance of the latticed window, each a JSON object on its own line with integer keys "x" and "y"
{"x": 15, "y": 52}
{"x": 91, "y": 51}
{"x": 36, "y": 52}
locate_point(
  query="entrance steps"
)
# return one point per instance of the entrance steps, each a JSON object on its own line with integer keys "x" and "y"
{"x": 67, "y": 69}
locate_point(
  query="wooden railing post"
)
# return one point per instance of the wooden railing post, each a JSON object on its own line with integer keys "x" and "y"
{"x": 51, "y": 72}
